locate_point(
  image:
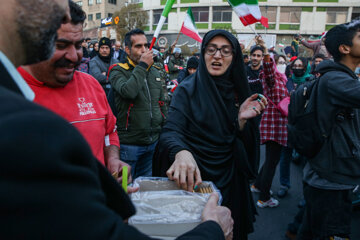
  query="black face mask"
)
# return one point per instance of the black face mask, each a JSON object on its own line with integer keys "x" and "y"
{"x": 298, "y": 72}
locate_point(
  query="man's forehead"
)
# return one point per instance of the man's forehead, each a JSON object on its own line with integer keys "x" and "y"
{"x": 68, "y": 30}
{"x": 138, "y": 39}
{"x": 257, "y": 52}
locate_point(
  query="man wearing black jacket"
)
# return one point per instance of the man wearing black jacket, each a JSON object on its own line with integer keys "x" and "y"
{"x": 51, "y": 186}
{"x": 334, "y": 172}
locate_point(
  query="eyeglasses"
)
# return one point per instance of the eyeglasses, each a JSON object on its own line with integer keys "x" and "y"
{"x": 281, "y": 62}
{"x": 224, "y": 51}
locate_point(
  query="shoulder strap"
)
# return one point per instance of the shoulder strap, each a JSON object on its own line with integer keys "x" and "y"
{"x": 122, "y": 65}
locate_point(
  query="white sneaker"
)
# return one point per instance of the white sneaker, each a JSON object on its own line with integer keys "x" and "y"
{"x": 272, "y": 202}
{"x": 255, "y": 190}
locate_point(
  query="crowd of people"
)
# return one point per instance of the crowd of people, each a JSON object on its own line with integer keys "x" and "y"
{"x": 222, "y": 105}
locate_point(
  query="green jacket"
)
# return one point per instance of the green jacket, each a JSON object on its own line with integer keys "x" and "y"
{"x": 174, "y": 71}
{"x": 139, "y": 101}
{"x": 163, "y": 75}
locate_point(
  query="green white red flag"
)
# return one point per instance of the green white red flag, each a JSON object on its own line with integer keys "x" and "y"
{"x": 189, "y": 28}
{"x": 164, "y": 15}
{"x": 248, "y": 11}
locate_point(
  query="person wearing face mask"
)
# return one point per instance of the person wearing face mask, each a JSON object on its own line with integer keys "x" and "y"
{"x": 286, "y": 152}
{"x": 280, "y": 61}
{"x": 273, "y": 128}
{"x": 91, "y": 47}
{"x": 300, "y": 71}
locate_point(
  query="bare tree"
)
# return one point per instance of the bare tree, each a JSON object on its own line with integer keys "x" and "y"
{"x": 129, "y": 17}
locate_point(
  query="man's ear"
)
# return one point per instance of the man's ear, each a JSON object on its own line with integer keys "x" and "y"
{"x": 344, "y": 49}
{"x": 127, "y": 50}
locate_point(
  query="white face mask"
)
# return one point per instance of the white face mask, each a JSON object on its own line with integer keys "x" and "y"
{"x": 91, "y": 49}
{"x": 281, "y": 68}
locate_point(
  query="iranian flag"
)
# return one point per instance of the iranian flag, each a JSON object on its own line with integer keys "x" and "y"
{"x": 248, "y": 12}
{"x": 188, "y": 27}
{"x": 164, "y": 15}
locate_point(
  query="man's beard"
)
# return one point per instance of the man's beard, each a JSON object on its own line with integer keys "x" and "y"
{"x": 37, "y": 27}
{"x": 255, "y": 64}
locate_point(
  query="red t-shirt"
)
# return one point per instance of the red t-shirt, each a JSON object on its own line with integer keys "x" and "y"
{"x": 83, "y": 103}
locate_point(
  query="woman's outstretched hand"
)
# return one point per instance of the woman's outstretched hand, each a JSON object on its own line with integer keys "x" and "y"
{"x": 250, "y": 108}
{"x": 184, "y": 171}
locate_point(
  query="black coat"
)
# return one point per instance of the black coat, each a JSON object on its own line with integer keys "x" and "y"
{"x": 202, "y": 119}
{"x": 51, "y": 187}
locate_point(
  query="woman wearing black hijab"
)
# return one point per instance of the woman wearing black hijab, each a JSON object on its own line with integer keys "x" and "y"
{"x": 208, "y": 136}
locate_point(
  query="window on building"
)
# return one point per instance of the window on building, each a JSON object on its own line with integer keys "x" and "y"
{"x": 336, "y": 15}
{"x": 290, "y": 14}
{"x": 98, "y": 1}
{"x": 157, "y": 15}
{"x": 355, "y": 13}
{"x": 112, "y": 1}
{"x": 90, "y": 17}
{"x": 269, "y": 12}
{"x": 110, "y": 14}
{"x": 201, "y": 14}
{"x": 98, "y": 16}
{"x": 79, "y": 3}
{"x": 91, "y": 2}
{"x": 222, "y": 14}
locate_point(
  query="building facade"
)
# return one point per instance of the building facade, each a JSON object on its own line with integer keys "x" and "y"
{"x": 308, "y": 17}
{"x": 286, "y": 18}
{"x": 96, "y": 10}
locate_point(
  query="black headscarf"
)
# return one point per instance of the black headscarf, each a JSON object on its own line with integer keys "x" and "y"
{"x": 203, "y": 119}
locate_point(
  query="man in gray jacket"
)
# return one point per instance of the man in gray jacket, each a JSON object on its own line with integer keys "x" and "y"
{"x": 332, "y": 174}
{"x": 99, "y": 65}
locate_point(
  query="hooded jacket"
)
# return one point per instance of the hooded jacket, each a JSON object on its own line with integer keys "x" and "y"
{"x": 339, "y": 117}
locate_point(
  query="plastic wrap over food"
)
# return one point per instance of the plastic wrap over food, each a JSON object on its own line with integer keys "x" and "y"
{"x": 161, "y": 201}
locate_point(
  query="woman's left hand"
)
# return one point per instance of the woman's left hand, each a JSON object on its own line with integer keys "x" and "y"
{"x": 250, "y": 108}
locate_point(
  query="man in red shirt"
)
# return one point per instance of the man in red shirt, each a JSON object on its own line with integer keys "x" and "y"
{"x": 76, "y": 96}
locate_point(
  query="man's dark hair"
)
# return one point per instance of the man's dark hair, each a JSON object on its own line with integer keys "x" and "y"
{"x": 342, "y": 34}
{"x": 255, "y": 48}
{"x": 76, "y": 13}
{"x": 128, "y": 35}
{"x": 319, "y": 55}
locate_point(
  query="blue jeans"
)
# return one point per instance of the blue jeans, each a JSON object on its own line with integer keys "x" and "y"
{"x": 285, "y": 159}
{"x": 139, "y": 158}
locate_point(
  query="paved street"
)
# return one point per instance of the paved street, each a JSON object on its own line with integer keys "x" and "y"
{"x": 271, "y": 224}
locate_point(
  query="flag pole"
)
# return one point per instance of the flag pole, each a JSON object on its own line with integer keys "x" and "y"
{"x": 250, "y": 27}
{"x": 177, "y": 39}
{"x": 162, "y": 20}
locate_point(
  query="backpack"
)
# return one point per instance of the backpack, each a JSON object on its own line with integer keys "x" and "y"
{"x": 304, "y": 132}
